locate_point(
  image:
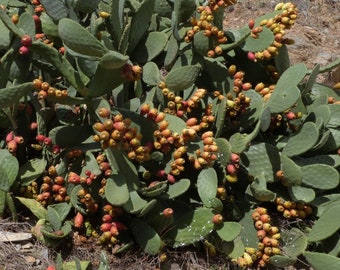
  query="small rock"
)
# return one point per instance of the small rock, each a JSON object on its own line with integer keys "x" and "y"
{"x": 30, "y": 260}
{"x": 27, "y": 246}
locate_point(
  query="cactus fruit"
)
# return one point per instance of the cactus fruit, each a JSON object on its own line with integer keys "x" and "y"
{"x": 268, "y": 236}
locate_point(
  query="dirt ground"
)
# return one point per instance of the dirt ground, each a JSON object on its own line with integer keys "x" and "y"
{"x": 317, "y": 41}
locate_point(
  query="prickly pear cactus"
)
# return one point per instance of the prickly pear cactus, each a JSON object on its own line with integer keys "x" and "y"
{"x": 149, "y": 124}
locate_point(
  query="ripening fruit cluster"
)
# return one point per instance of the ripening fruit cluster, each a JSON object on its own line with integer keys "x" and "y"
{"x": 268, "y": 245}
{"x": 45, "y": 143}
{"x": 264, "y": 91}
{"x": 238, "y": 104}
{"x": 278, "y": 25}
{"x": 46, "y": 90}
{"x": 232, "y": 168}
{"x": 111, "y": 226}
{"x": 206, "y": 157}
{"x": 26, "y": 42}
{"x": 12, "y": 142}
{"x": 205, "y": 23}
{"x": 132, "y": 72}
{"x": 177, "y": 106}
{"x": 87, "y": 200}
{"x": 29, "y": 191}
{"x": 165, "y": 139}
{"x": 117, "y": 132}
{"x": 292, "y": 209}
{"x": 53, "y": 188}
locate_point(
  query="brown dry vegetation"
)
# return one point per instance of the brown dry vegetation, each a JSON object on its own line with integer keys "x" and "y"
{"x": 317, "y": 37}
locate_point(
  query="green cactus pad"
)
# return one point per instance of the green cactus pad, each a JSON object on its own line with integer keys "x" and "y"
{"x": 259, "y": 190}
{"x": 26, "y": 23}
{"x": 163, "y": 8}
{"x": 299, "y": 193}
{"x": 202, "y": 44}
{"x": 113, "y": 60}
{"x": 224, "y": 150}
{"x": 256, "y": 111}
{"x": 85, "y": 5}
{"x": 154, "y": 190}
{"x": 266, "y": 165}
{"x": 79, "y": 40}
{"x": 139, "y": 23}
{"x": 12, "y": 94}
{"x": 248, "y": 232}
{"x": 319, "y": 111}
{"x": 100, "y": 83}
{"x": 303, "y": 141}
{"x": 183, "y": 9}
{"x": 61, "y": 63}
{"x": 34, "y": 206}
{"x": 263, "y": 41}
{"x": 171, "y": 51}
{"x": 220, "y": 112}
{"x": 331, "y": 160}
{"x": 190, "y": 227}
{"x": 320, "y": 176}
{"x": 150, "y": 48}
{"x": 233, "y": 249}
{"x": 292, "y": 172}
{"x": 151, "y": 75}
{"x": 116, "y": 191}
{"x": 311, "y": 80}
{"x": 53, "y": 218}
{"x": 5, "y": 36}
{"x": 26, "y": 173}
{"x": 334, "y": 116}
{"x": 281, "y": 261}
{"x": 177, "y": 189}
{"x": 75, "y": 199}
{"x": 9, "y": 24}
{"x": 320, "y": 261}
{"x": 229, "y": 231}
{"x": 90, "y": 164}
{"x": 176, "y": 124}
{"x": 218, "y": 74}
{"x": 9, "y": 167}
{"x": 240, "y": 142}
{"x": 116, "y": 20}
{"x": 64, "y": 135}
{"x": 286, "y": 92}
{"x": 48, "y": 25}
{"x": 55, "y": 9}
{"x": 123, "y": 166}
{"x": 146, "y": 236}
{"x": 294, "y": 242}
{"x": 147, "y": 208}
{"x": 207, "y": 185}
{"x": 326, "y": 225}
{"x": 216, "y": 204}
{"x": 322, "y": 203}
{"x": 135, "y": 204}
{"x": 321, "y": 89}
{"x": 180, "y": 78}
{"x": 48, "y": 232}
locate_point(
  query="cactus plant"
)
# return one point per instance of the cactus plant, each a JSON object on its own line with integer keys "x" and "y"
{"x": 147, "y": 115}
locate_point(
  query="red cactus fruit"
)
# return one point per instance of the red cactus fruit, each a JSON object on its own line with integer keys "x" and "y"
{"x": 26, "y": 40}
